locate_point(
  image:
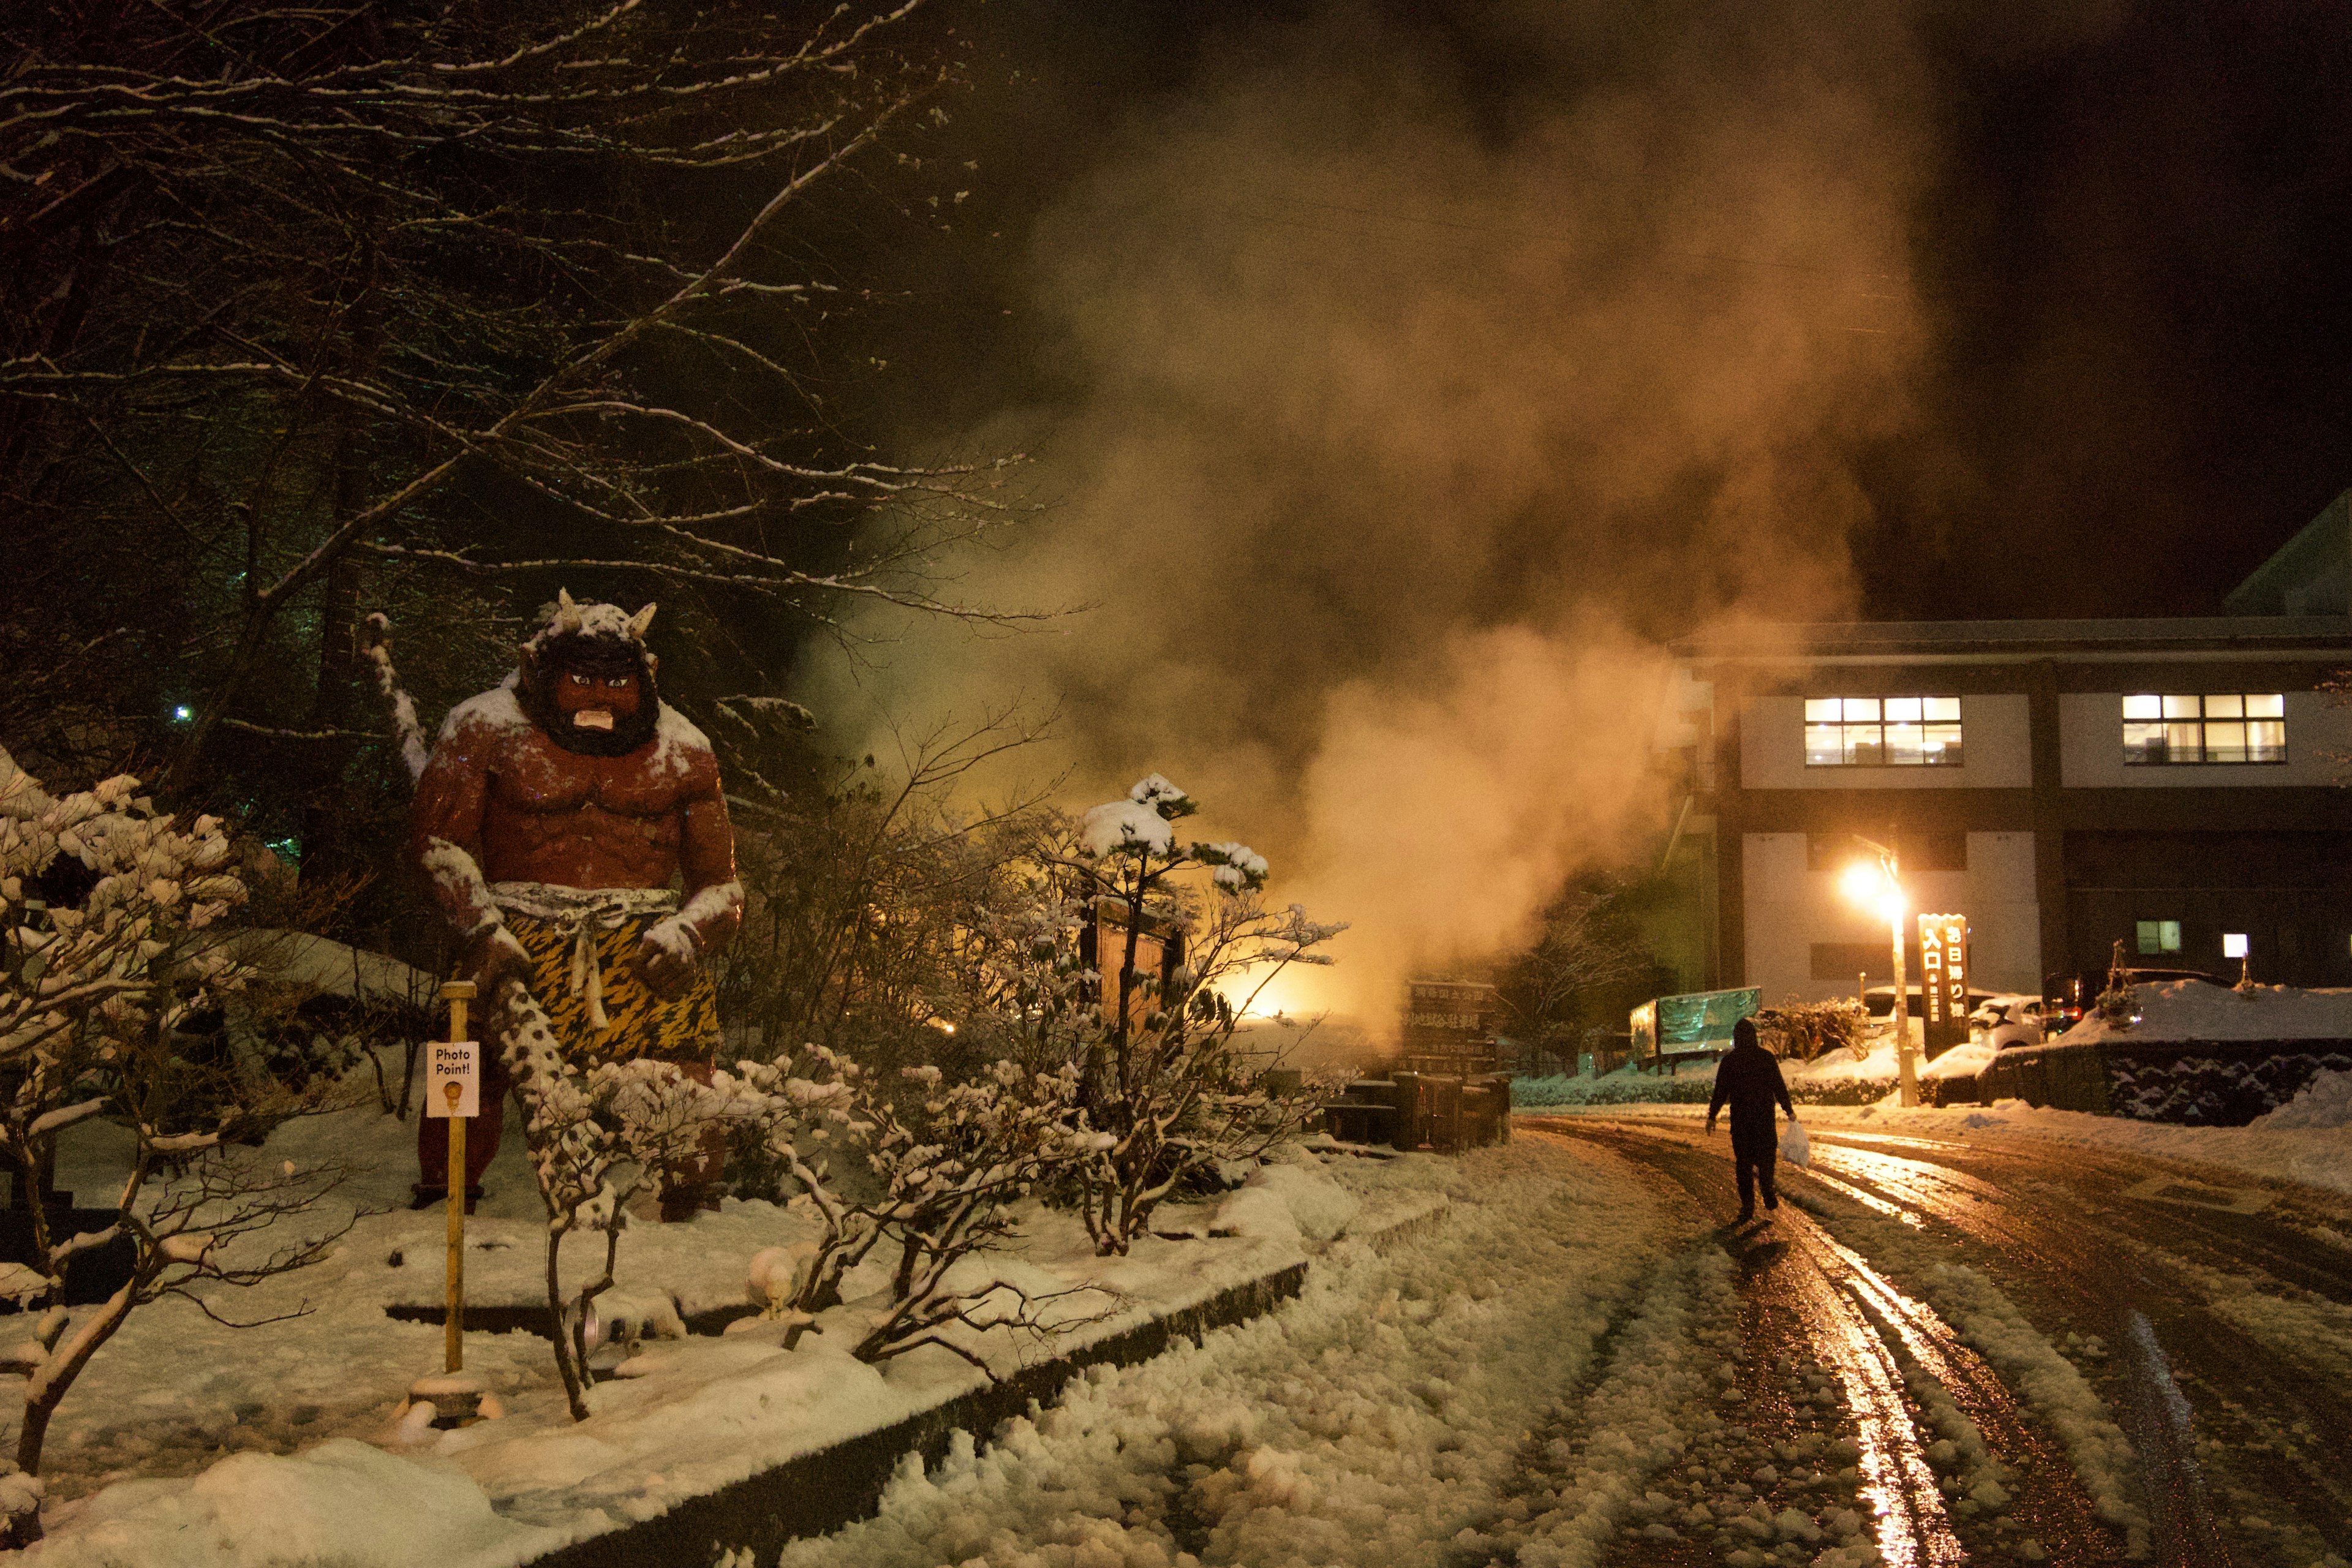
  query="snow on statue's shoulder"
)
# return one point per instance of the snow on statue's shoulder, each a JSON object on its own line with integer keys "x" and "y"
{"x": 677, "y": 744}
{"x": 495, "y": 710}
{"x": 1121, "y": 823}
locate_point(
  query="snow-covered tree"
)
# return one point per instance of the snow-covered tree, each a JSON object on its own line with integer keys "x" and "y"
{"x": 1166, "y": 1087}
{"x": 93, "y": 987}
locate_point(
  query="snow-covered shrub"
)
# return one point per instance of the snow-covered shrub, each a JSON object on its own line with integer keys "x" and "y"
{"x": 91, "y": 995}
{"x": 1164, "y": 1087}
{"x": 598, "y": 1134}
{"x": 947, "y": 1161}
{"x": 1804, "y": 1031}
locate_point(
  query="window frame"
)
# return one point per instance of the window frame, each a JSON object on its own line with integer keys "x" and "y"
{"x": 1948, "y": 734}
{"x": 2170, "y": 719}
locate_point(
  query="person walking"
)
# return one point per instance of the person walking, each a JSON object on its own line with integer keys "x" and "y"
{"x": 1748, "y": 1080}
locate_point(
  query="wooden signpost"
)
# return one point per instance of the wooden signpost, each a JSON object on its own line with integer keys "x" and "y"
{"x": 453, "y": 1080}
{"x": 453, "y": 1091}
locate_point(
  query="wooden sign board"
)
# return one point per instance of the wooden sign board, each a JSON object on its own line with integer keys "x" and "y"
{"x": 1449, "y": 1026}
{"x": 453, "y": 1078}
{"x": 1159, "y": 949}
{"x": 1944, "y": 980}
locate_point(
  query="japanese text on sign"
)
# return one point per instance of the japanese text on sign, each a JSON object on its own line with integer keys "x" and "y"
{"x": 1944, "y": 979}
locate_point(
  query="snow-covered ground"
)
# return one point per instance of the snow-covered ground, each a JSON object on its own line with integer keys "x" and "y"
{"x": 190, "y": 1442}
{"x": 1382, "y": 1418}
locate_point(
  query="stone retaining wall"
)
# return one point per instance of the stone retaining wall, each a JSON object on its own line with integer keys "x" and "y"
{"x": 2205, "y": 1083}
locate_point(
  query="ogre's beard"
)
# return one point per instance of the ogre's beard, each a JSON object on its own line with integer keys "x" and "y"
{"x": 597, "y": 657}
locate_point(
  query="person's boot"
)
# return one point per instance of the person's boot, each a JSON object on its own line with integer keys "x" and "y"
{"x": 1747, "y": 1213}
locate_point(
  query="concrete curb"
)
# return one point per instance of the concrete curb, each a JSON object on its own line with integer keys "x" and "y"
{"x": 838, "y": 1486}
{"x": 841, "y": 1485}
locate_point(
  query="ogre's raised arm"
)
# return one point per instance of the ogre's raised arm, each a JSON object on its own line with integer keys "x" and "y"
{"x": 445, "y": 836}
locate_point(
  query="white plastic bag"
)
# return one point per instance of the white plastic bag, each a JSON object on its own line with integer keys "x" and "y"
{"x": 1795, "y": 1147}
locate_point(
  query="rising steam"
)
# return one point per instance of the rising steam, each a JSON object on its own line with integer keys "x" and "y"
{"x": 1406, "y": 423}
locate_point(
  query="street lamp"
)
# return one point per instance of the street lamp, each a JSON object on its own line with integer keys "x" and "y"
{"x": 1879, "y": 889}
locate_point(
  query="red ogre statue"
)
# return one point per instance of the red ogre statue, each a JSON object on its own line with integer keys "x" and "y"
{"x": 556, "y": 812}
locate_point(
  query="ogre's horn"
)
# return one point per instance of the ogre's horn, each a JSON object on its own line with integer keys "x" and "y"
{"x": 639, "y": 622}
{"x": 567, "y": 614}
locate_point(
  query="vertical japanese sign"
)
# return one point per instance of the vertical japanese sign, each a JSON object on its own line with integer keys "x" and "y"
{"x": 1944, "y": 980}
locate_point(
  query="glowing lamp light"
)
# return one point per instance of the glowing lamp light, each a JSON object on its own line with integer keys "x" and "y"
{"x": 1865, "y": 883}
{"x": 183, "y": 713}
{"x": 2233, "y": 945}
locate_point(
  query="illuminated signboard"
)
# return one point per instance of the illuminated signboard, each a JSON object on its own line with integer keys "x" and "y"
{"x": 1701, "y": 1020}
{"x": 1944, "y": 980}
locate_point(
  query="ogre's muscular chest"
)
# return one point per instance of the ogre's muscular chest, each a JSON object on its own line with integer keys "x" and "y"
{"x": 531, "y": 774}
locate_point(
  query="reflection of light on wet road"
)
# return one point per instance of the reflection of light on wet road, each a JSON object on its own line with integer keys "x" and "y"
{"x": 1929, "y": 1186}
{"x": 1913, "y": 1530}
{"x": 1867, "y": 1200}
{"x": 1895, "y": 1139}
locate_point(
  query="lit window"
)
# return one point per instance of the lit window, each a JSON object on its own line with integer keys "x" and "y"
{"x": 2159, "y": 936}
{"x": 2231, "y": 727}
{"x": 1882, "y": 732}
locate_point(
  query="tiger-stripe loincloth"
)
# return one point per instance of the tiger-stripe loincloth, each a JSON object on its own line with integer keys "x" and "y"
{"x": 583, "y": 944}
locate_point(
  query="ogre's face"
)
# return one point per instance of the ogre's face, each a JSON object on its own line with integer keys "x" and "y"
{"x": 592, "y": 701}
{"x": 593, "y": 695}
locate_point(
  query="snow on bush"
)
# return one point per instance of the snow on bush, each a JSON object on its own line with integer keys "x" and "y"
{"x": 1125, "y": 825}
{"x": 1165, "y": 1090}
{"x": 597, "y": 1134}
{"x": 948, "y": 1161}
{"x": 2324, "y": 1102}
{"x": 92, "y": 992}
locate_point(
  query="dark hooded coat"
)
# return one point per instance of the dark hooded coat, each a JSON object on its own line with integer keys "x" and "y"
{"x": 1748, "y": 1080}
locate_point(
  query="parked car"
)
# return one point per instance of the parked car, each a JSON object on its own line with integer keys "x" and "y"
{"x": 2066, "y": 997}
{"x": 1879, "y": 1000}
{"x": 2013, "y": 1019}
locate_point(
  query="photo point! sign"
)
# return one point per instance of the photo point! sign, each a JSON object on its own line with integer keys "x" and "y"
{"x": 453, "y": 1078}
{"x": 1944, "y": 980}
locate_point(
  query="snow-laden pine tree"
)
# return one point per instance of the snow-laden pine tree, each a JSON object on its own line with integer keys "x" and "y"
{"x": 1167, "y": 1087}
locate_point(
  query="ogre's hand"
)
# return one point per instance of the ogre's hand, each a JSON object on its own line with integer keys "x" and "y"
{"x": 494, "y": 958}
{"x": 1710, "y": 1124}
{"x": 665, "y": 958}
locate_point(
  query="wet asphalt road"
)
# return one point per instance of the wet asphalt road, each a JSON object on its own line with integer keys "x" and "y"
{"x": 2211, "y": 1313}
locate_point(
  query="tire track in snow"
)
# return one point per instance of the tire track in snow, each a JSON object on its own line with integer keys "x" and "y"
{"x": 1911, "y": 1400}
{"x": 2242, "y": 1453}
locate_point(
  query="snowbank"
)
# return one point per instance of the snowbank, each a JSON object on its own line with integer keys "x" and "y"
{"x": 2199, "y": 1010}
{"x": 343, "y": 1502}
{"x": 1382, "y": 1418}
{"x": 2324, "y": 1102}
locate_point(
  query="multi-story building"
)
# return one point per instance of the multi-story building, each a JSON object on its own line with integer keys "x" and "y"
{"x": 2064, "y": 783}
